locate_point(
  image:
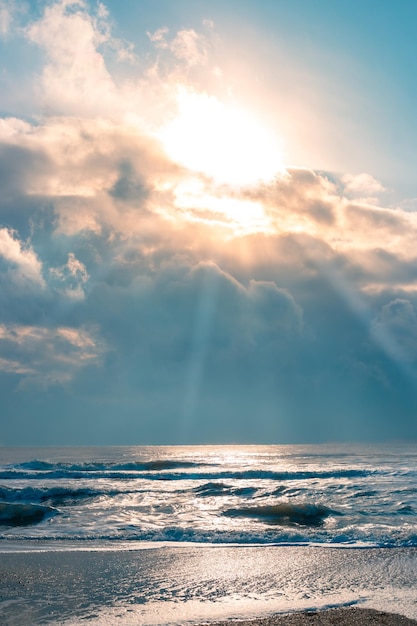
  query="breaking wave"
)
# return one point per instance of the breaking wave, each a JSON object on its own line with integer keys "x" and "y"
{"x": 128, "y": 471}
{"x": 24, "y": 514}
{"x": 221, "y": 489}
{"x": 209, "y": 495}
{"x": 140, "y": 466}
{"x": 55, "y": 496}
{"x": 285, "y": 514}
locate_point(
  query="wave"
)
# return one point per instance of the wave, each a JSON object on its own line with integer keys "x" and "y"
{"x": 155, "y": 465}
{"x": 286, "y": 536}
{"x": 133, "y": 471}
{"x": 221, "y": 489}
{"x": 56, "y": 496}
{"x": 285, "y": 514}
{"x": 24, "y": 514}
{"x": 406, "y": 509}
{"x": 365, "y": 494}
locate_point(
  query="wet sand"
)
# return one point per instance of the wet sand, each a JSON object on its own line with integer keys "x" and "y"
{"x": 192, "y": 585}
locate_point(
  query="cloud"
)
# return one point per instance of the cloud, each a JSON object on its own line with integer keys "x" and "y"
{"x": 188, "y": 46}
{"x": 21, "y": 162}
{"x": 75, "y": 72}
{"x": 72, "y": 276}
{"x": 395, "y": 329}
{"x": 190, "y": 304}
{"x": 24, "y": 267}
{"x": 45, "y": 357}
{"x": 273, "y": 309}
{"x": 158, "y": 38}
{"x": 6, "y": 18}
{"x": 362, "y": 187}
{"x": 87, "y": 168}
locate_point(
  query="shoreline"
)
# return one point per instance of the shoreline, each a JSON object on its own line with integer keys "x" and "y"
{"x": 16, "y": 545}
{"x": 198, "y": 587}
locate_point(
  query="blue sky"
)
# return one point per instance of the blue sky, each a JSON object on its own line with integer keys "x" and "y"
{"x": 207, "y": 222}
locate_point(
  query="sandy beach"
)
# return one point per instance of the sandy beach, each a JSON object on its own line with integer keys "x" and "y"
{"x": 349, "y": 616}
{"x": 161, "y": 586}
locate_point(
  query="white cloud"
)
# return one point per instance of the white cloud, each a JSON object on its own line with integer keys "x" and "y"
{"x": 189, "y": 46}
{"x": 362, "y": 187}
{"x": 11, "y": 127}
{"x": 72, "y": 276}
{"x": 158, "y": 38}
{"x": 25, "y": 266}
{"x": 75, "y": 77}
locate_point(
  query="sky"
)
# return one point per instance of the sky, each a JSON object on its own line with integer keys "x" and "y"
{"x": 208, "y": 221}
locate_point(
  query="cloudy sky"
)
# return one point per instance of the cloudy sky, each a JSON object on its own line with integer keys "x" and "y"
{"x": 208, "y": 221}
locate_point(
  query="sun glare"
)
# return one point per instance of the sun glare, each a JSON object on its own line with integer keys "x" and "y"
{"x": 234, "y": 214}
{"x": 221, "y": 142}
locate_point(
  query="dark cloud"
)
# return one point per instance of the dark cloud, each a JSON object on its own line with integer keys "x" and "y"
{"x": 128, "y": 186}
{"x": 395, "y": 328}
{"x": 19, "y": 168}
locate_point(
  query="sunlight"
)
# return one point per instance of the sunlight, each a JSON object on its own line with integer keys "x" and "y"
{"x": 239, "y": 216}
{"x": 223, "y": 143}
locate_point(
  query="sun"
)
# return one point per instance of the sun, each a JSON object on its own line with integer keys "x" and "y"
{"x": 225, "y": 152}
{"x": 222, "y": 142}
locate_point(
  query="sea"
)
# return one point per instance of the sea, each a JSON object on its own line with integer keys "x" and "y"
{"x": 210, "y": 532}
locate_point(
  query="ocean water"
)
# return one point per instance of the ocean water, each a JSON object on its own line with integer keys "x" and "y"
{"x": 208, "y": 531}
{"x": 364, "y": 496}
